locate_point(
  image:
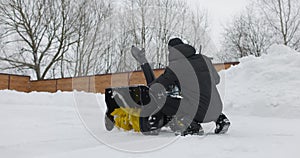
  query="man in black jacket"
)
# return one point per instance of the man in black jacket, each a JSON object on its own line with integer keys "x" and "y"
{"x": 186, "y": 92}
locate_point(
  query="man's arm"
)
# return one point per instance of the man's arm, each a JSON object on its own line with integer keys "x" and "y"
{"x": 148, "y": 73}
{"x": 140, "y": 56}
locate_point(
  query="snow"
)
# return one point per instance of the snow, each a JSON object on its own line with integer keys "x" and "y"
{"x": 260, "y": 97}
{"x": 265, "y": 86}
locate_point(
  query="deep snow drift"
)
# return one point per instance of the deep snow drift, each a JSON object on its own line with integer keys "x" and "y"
{"x": 265, "y": 86}
{"x": 260, "y": 98}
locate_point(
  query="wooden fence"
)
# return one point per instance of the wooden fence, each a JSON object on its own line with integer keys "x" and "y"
{"x": 96, "y": 84}
{"x": 15, "y": 82}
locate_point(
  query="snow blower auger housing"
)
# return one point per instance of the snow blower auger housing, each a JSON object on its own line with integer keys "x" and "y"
{"x": 122, "y": 99}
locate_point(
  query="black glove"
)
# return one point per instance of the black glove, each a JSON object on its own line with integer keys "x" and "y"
{"x": 139, "y": 55}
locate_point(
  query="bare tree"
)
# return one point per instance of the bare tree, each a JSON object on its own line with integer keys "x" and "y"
{"x": 259, "y": 37}
{"x": 123, "y": 42}
{"x": 198, "y": 31}
{"x": 66, "y": 38}
{"x": 36, "y": 32}
{"x": 247, "y": 35}
{"x": 171, "y": 16}
{"x": 91, "y": 15}
{"x": 264, "y": 22}
{"x": 234, "y": 37}
{"x": 284, "y": 17}
{"x": 153, "y": 22}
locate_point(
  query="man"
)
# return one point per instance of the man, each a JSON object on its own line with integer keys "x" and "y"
{"x": 189, "y": 83}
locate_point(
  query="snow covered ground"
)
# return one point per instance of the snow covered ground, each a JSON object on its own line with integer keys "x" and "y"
{"x": 260, "y": 97}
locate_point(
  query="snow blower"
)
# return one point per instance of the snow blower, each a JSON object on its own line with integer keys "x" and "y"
{"x": 123, "y": 106}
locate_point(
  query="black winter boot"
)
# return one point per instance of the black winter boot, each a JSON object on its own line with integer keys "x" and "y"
{"x": 222, "y": 124}
{"x": 151, "y": 125}
{"x": 180, "y": 127}
{"x": 194, "y": 128}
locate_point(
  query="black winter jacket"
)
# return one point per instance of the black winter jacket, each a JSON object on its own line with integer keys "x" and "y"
{"x": 197, "y": 79}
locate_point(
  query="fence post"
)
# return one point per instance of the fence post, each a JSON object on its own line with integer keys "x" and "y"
{"x": 8, "y": 82}
{"x": 89, "y": 88}
{"x": 56, "y": 85}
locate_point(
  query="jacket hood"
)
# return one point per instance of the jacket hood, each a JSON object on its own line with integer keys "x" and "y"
{"x": 181, "y": 51}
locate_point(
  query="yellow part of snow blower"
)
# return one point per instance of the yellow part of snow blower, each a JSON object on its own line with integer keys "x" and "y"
{"x": 127, "y": 119}
{"x": 124, "y": 106}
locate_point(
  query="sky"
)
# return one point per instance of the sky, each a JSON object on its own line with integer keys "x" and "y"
{"x": 220, "y": 13}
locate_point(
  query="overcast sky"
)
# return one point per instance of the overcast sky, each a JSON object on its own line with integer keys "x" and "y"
{"x": 220, "y": 13}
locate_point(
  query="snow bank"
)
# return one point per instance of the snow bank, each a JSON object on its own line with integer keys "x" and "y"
{"x": 265, "y": 86}
{"x": 37, "y": 98}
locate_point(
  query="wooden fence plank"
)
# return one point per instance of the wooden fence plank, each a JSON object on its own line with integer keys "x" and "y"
{"x": 4, "y": 81}
{"x": 44, "y": 86}
{"x": 65, "y": 84}
{"x": 81, "y": 84}
{"x": 19, "y": 83}
{"x": 102, "y": 82}
{"x": 136, "y": 78}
